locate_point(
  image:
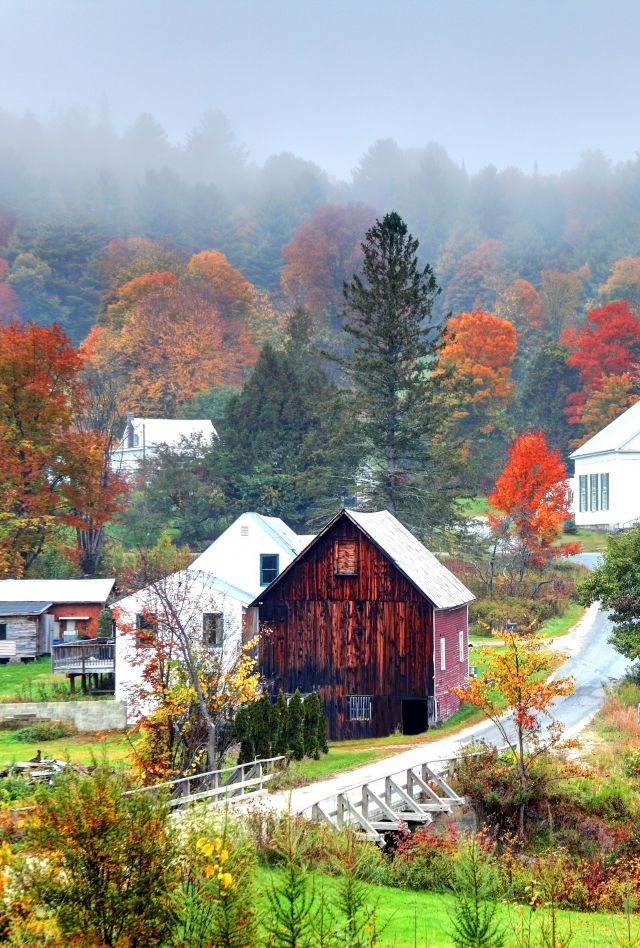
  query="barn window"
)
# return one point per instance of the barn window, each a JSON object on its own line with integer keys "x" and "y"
{"x": 346, "y": 558}
{"x": 269, "y": 567}
{"x": 213, "y": 629}
{"x": 146, "y": 629}
{"x": 359, "y": 707}
{"x": 3, "y": 631}
{"x": 443, "y": 653}
{"x": 461, "y": 654}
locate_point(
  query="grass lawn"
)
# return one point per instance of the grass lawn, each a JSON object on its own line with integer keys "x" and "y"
{"x": 473, "y": 506}
{"x": 26, "y": 679}
{"x": 79, "y": 749}
{"x": 591, "y": 541}
{"x": 422, "y": 919}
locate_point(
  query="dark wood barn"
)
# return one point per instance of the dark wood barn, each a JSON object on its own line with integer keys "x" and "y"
{"x": 371, "y": 619}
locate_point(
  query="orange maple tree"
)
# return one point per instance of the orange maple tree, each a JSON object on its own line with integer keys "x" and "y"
{"x": 515, "y": 694}
{"x": 481, "y": 347}
{"x": 532, "y": 501}
{"x": 520, "y": 303}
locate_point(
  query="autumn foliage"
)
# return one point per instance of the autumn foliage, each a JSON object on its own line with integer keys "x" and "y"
{"x": 481, "y": 348}
{"x": 532, "y": 499}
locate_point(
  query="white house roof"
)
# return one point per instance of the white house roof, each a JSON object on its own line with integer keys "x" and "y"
{"x": 169, "y": 431}
{"x": 55, "y": 590}
{"x": 281, "y": 533}
{"x": 197, "y": 582}
{"x": 421, "y": 567}
{"x": 616, "y": 436}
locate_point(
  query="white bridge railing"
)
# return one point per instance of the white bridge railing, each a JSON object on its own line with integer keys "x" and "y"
{"x": 218, "y": 786}
{"x": 414, "y": 795}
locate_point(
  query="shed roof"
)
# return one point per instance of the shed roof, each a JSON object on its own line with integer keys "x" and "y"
{"x": 24, "y": 608}
{"x": 55, "y": 590}
{"x": 421, "y": 567}
{"x": 615, "y": 436}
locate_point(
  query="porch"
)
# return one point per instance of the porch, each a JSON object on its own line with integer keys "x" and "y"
{"x": 93, "y": 661}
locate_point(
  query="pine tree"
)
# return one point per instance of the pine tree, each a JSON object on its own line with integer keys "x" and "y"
{"x": 310, "y": 726}
{"x": 295, "y": 724}
{"x": 475, "y": 923}
{"x": 323, "y": 745}
{"x": 389, "y": 315}
{"x": 280, "y": 726}
{"x": 243, "y": 732}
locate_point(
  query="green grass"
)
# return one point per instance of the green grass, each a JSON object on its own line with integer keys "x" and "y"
{"x": 79, "y": 749}
{"x": 591, "y": 541}
{"x": 559, "y": 625}
{"x": 473, "y": 506}
{"x": 17, "y": 679}
{"x": 422, "y": 919}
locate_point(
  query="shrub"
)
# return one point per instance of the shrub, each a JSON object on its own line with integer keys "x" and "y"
{"x": 109, "y": 865}
{"x": 14, "y": 788}
{"x": 425, "y": 859}
{"x": 44, "y": 731}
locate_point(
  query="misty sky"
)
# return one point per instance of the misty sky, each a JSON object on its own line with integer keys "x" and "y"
{"x": 502, "y": 81}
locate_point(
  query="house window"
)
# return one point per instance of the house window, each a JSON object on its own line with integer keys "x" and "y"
{"x": 213, "y": 629}
{"x": 604, "y": 492}
{"x": 594, "y": 480}
{"x": 584, "y": 493}
{"x": 146, "y": 629}
{"x": 443, "y": 653}
{"x": 346, "y": 558}
{"x": 359, "y": 707}
{"x": 269, "y": 567}
{"x": 3, "y": 631}
{"x": 461, "y": 649}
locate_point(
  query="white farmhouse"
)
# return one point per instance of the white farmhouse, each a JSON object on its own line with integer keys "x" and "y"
{"x": 211, "y": 596}
{"x": 252, "y": 552}
{"x": 606, "y": 484}
{"x": 143, "y": 437}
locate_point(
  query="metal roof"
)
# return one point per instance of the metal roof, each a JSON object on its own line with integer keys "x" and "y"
{"x": 420, "y": 566}
{"x": 170, "y": 431}
{"x": 615, "y": 436}
{"x": 280, "y": 532}
{"x": 55, "y": 590}
{"x": 24, "y": 608}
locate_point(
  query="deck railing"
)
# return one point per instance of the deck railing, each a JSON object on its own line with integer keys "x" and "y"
{"x": 80, "y": 658}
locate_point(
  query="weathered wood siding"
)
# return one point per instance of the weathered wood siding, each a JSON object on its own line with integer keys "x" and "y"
{"x": 365, "y": 634}
{"x": 23, "y": 630}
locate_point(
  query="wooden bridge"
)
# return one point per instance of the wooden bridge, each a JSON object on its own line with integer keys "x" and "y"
{"x": 410, "y": 796}
{"x": 215, "y": 787}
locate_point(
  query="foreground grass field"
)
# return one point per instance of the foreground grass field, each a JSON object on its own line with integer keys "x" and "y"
{"x": 423, "y": 919}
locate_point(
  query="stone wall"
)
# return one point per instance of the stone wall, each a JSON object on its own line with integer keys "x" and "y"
{"x": 86, "y": 715}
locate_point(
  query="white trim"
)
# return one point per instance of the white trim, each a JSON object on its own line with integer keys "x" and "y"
{"x": 443, "y": 653}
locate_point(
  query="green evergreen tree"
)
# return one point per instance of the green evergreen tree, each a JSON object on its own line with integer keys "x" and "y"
{"x": 321, "y": 733}
{"x": 310, "y": 726}
{"x": 263, "y": 718}
{"x": 541, "y": 406}
{"x": 295, "y": 726}
{"x": 280, "y": 728}
{"x": 292, "y": 917}
{"x": 474, "y": 921}
{"x": 243, "y": 732}
{"x": 389, "y": 315}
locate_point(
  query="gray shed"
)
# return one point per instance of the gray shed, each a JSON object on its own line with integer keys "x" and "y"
{"x": 26, "y": 630}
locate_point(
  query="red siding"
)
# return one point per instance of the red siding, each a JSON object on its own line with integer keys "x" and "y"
{"x": 448, "y": 625}
{"x": 92, "y": 610}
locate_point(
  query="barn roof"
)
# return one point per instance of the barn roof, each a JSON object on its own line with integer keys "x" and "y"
{"x": 619, "y": 435}
{"x": 23, "y": 608}
{"x": 55, "y": 590}
{"x": 422, "y": 568}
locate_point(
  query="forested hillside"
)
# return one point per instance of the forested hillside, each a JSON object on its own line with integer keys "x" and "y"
{"x": 195, "y": 283}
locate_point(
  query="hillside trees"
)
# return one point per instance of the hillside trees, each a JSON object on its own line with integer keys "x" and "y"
{"x": 478, "y": 351}
{"x": 389, "y": 316}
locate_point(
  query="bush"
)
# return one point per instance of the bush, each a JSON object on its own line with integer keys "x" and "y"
{"x": 14, "y": 788}
{"x": 108, "y": 868}
{"x": 44, "y": 731}
{"x": 425, "y": 859}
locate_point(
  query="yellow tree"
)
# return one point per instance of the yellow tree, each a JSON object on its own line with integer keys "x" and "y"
{"x": 515, "y": 693}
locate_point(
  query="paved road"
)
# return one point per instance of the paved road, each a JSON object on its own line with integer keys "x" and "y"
{"x": 591, "y": 661}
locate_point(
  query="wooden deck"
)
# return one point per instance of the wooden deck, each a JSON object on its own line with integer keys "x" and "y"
{"x": 92, "y": 657}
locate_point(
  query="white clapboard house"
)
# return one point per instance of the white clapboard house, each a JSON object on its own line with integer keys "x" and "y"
{"x": 606, "y": 483}
{"x": 212, "y": 596}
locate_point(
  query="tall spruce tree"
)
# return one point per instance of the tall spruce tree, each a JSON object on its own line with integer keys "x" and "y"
{"x": 411, "y": 469}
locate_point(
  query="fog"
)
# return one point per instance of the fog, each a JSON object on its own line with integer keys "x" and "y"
{"x": 503, "y": 81}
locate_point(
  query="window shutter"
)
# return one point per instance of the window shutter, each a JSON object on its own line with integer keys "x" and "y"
{"x": 346, "y": 558}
